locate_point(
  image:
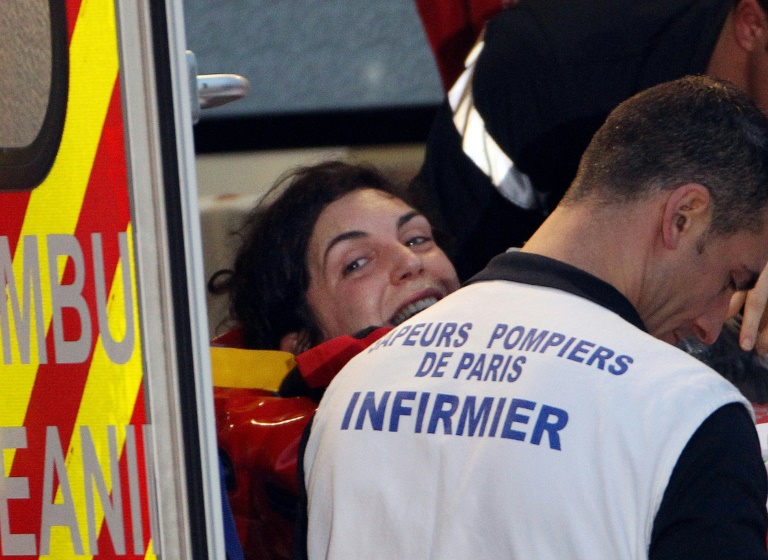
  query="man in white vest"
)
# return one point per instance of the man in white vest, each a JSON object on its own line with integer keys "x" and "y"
{"x": 542, "y": 411}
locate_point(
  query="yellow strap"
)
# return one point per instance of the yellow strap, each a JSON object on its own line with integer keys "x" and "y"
{"x": 250, "y": 369}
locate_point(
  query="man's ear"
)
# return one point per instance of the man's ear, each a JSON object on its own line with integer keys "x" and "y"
{"x": 291, "y": 342}
{"x": 687, "y": 210}
{"x": 750, "y": 25}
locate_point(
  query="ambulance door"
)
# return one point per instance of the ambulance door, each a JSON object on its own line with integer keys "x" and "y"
{"x": 107, "y": 441}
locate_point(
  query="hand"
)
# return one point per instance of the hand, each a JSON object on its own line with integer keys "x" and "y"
{"x": 754, "y": 334}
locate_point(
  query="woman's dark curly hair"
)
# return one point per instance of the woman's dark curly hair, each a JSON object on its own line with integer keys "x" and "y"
{"x": 267, "y": 286}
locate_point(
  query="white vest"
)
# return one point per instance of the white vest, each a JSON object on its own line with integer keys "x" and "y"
{"x": 550, "y": 435}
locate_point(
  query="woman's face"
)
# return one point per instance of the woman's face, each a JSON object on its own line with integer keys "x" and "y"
{"x": 372, "y": 261}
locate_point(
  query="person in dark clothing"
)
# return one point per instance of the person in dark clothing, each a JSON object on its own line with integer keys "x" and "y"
{"x": 542, "y": 79}
{"x": 544, "y": 75}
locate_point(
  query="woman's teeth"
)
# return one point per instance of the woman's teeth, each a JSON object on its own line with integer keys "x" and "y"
{"x": 411, "y": 309}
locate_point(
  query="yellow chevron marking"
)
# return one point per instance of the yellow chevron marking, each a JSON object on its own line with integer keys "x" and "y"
{"x": 108, "y": 400}
{"x": 54, "y": 207}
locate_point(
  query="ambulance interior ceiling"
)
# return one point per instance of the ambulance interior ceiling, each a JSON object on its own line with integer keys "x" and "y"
{"x": 353, "y": 79}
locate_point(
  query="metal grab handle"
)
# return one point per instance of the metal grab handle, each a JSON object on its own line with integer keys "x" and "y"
{"x": 217, "y": 89}
{"x": 212, "y": 90}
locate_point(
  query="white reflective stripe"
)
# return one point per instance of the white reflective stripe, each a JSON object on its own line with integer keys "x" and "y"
{"x": 480, "y": 147}
{"x": 457, "y": 91}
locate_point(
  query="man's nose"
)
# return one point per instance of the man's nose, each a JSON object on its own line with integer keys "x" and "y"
{"x": 406, "y": 264}
{"x": 707, "y": 327}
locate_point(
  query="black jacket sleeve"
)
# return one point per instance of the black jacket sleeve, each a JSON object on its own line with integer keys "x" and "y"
{"x": 714, "y": 506}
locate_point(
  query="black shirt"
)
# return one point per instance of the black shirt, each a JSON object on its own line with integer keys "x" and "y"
{"x": 548, "y": 75}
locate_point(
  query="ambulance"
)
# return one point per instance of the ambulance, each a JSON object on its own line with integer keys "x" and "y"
{"x": 107, "y": 441}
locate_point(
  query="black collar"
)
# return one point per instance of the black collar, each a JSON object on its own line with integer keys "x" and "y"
{"x": 529, "y": 268}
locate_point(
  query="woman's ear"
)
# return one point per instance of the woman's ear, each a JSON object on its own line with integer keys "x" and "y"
{"x": 293, "y": 342}
{"x": 750, "y": 26}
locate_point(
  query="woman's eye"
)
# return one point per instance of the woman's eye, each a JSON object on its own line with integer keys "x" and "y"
{"x": 354, "y": 265}
{"x": 417, "y": 240}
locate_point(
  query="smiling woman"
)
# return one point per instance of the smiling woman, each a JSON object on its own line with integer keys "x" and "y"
{"x": 373, "y": 260}
{"x": 331, "y": 249}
